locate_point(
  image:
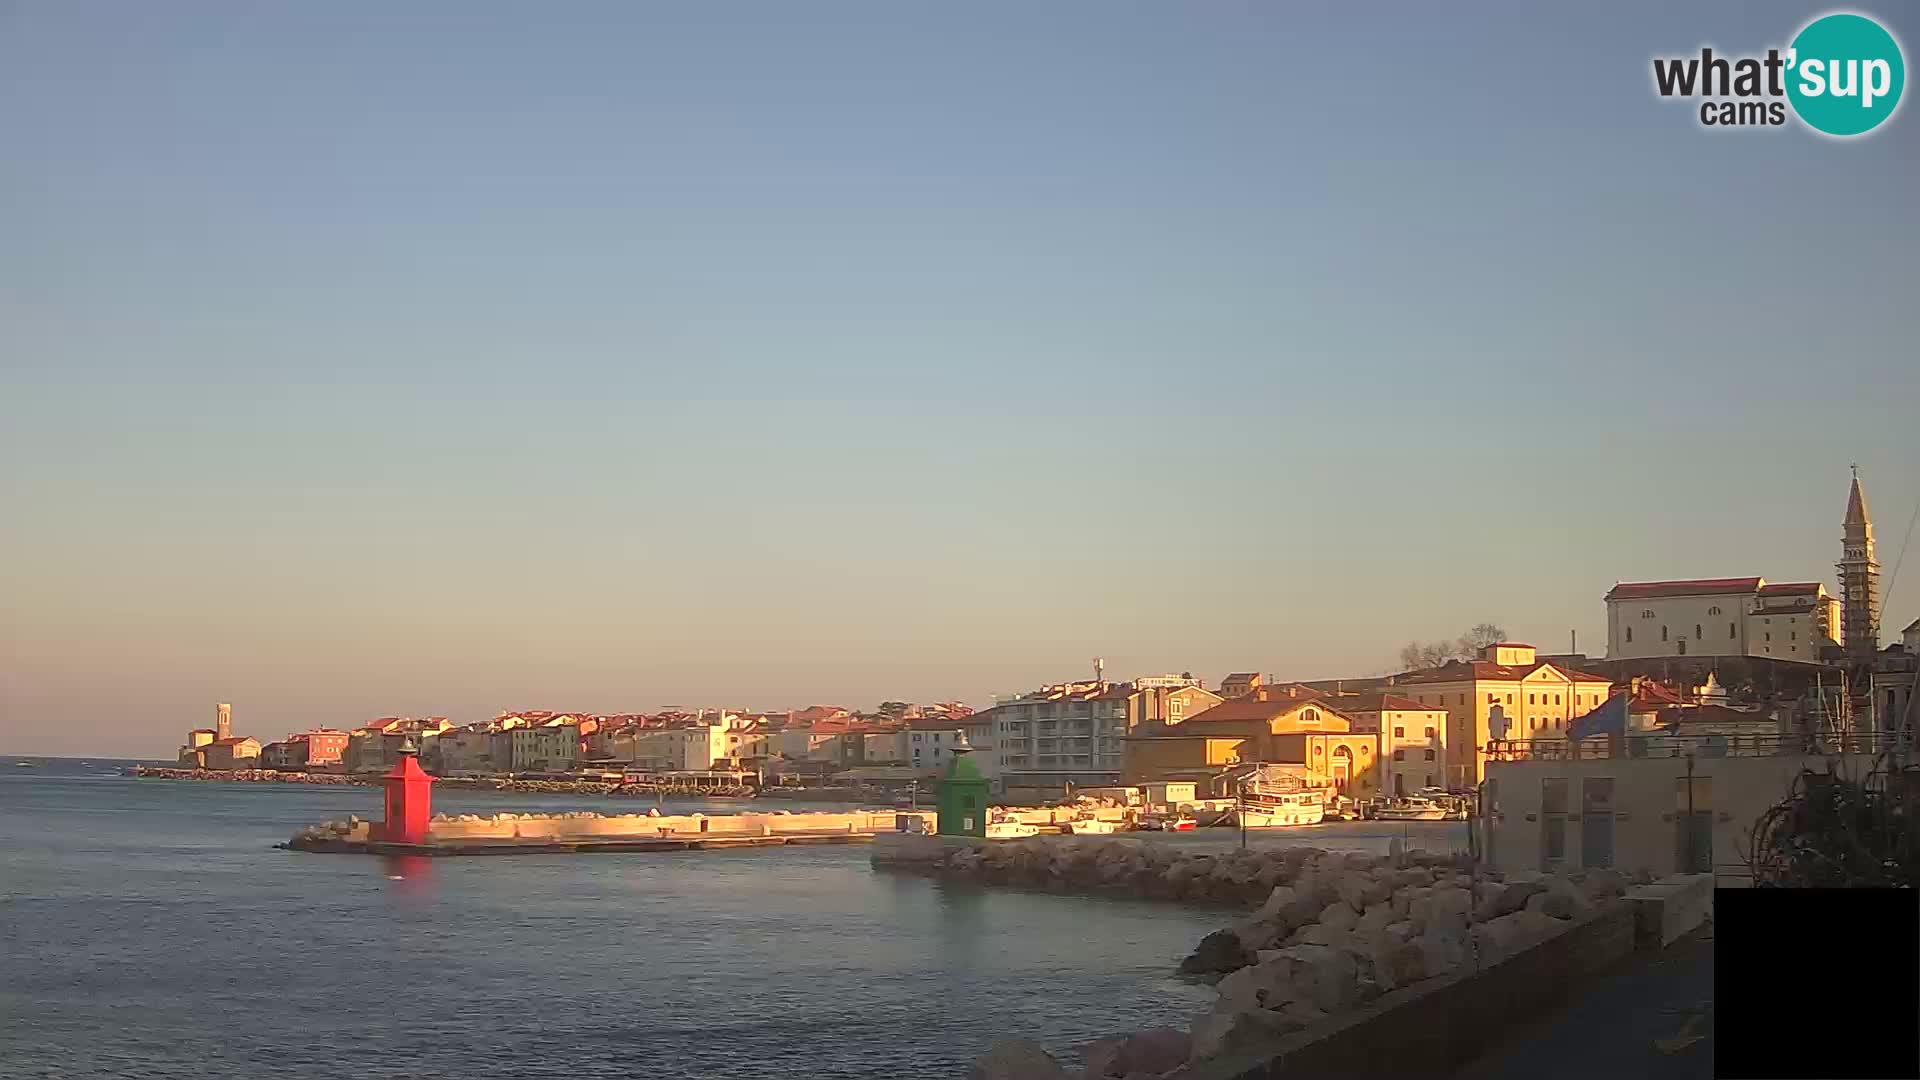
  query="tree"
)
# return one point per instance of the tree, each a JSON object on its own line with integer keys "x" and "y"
{"x": 1480, "y": 637}
{"x": 1416, "y": 655}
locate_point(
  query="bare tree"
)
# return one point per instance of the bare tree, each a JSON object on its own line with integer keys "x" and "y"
{"x": 1416, "y": 655}
{"x": 1480, "y": 637}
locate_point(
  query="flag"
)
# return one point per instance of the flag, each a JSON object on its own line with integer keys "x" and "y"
{"x": 1609, "y": 719}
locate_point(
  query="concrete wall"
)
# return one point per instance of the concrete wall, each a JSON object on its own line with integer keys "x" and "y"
{"x": 1649, "y": 800}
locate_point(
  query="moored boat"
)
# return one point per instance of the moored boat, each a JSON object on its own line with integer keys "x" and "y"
{"x": 1411, "y": 808}
{"x": 1306, "y": 807}
{"x": 1090, "y": 826}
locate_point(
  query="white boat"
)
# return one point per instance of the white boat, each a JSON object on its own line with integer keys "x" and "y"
{"x": 1277, "y": 811}
{"x": 1411, "y": 808}
{"x": 1010, "y": 830}
{"x": 1090, "y": 827}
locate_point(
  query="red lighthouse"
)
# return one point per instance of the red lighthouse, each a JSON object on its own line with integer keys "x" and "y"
{"x": 409, "y": 800}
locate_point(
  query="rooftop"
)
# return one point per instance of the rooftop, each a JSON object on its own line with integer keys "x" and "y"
{"x": 1649, "y": 590}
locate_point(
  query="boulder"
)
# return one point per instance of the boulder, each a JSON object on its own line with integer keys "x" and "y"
{"x": 1338, "y": 915}
{"x": 1259, "y": 933}
{"x": 1442, "y": 950}
{"x": 1266, "y": 985}
{"x": 1148, "y": 1053}
{"x": 1217, "y": 953}
{"x": 1496, "y": 899}
{"x": 1016, "y": 1059}
{"x": 1327, "y": 978}
{"x": 1374, "y": 920}
{"x": 1217, "y": 1033}
{"x": 1503, "y": 937}
{"x": 1399, "y": 964}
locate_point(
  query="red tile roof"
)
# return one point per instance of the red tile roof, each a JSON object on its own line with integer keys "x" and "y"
{"x": 1381, "y": 702}
{"x": 1243, "y": 709}
{"x": 1792, "y": 588}
{"x": 1648, "y": 590}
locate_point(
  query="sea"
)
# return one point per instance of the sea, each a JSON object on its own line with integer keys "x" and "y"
{"x": 150, "y": 928}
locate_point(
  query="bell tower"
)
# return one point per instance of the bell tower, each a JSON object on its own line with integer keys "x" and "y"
{"x": 1859, "y": 580}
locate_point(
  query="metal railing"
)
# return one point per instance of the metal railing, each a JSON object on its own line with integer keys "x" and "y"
{"x": 1657, "y": 745}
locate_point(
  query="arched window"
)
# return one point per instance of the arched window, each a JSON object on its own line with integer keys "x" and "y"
{"x": 1309, "y": 717}
{"x": 1647, "y": 613}
{"x": 1713, "y": 611}
{"x": 1629, "y": 634}
{"x": 1663, "y": 633}
{"x": 1696, "y": 631}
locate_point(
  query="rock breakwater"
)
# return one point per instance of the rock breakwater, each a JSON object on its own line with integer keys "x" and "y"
{"x": 463, "y": 783}
{"x": 1331, "y": 932}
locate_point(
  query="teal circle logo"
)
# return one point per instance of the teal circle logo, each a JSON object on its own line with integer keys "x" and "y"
{"x": 1845, "y": 74}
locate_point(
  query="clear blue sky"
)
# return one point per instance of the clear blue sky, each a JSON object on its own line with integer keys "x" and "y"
{"x": 479, "y": 355}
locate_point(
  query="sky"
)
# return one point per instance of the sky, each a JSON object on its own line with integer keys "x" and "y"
{"x": 445, "y": 358}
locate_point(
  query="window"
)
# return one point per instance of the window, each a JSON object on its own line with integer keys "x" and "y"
{"x": 1683, "y": 646}
{"x": 1795, "y": 635}
{"x": 1399, "y": 732}
{"x": 1399, "y": 755}
{"x": 1629, "y": 633}
{"x": 1769, "y": 636}
{"x": 1429, "y": 733}
{"x": 1509, "y": 699}
{"x": 1647, "y": 614}
{"x": 1556, "y": 723}
{"x": 1553, "y": 821}
{"x": 1663, "y": 633}
{"x": 1730, "y": 631}
{"x": 1713, "y": 611}
{"x": 1429, "y": 755}
{"x": 1530, "y": 699}
{"x": 1463, "y": 699}
{"x": 1429, "y": 779}
{"x": 1596, "y": 821}
{"x": 1696, "y": 631}
{"x": 1318, "y": 749}
{"x": 1556, "y": 699}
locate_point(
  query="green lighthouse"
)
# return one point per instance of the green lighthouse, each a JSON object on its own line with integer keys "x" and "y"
{"x": 963, "y": 797}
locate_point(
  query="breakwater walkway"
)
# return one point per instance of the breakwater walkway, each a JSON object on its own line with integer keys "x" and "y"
{"x": 586, "y": 832}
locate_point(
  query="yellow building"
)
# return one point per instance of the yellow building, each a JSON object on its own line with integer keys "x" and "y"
{"x": 1529, "y": 698}
{"x": 1271, "y": 725}
{"x": 1413, "y": 738}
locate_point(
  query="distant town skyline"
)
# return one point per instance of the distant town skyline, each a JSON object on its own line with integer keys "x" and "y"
{"x": 439, "y": 361}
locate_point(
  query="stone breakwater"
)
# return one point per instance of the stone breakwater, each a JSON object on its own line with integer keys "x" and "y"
{"x": 1330, "y": 933}
{"x": 449, "y": 831}
{"x": 463, "y": 783}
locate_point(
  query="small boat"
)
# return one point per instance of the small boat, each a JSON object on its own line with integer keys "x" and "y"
{"x": 1010, "y": 830}
{"x": 1411, "y": 808}
{"x": 1169, "y": 824}
{"x": 1088, "y": 826}
{"x": 26, "y": 764}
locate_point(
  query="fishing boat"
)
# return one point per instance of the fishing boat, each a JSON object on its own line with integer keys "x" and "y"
{"x": 1273, "y": 811}
{"x": 1181, "y": 823}
{"x": 1411, "y": 808}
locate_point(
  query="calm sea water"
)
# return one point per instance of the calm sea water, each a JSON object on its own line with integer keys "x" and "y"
{"x": 148, "y": 928}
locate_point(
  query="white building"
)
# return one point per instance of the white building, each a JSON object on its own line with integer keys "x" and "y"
{"x": 1721, "y": 617}
{"x": 1666, "y": 804}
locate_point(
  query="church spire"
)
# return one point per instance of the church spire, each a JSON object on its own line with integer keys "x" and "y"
{"x": 1859, "y": 579}
{"x": 1857, "y": 502}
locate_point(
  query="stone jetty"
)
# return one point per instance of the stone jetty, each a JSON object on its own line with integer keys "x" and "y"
{"x": 1322, "y": 934}
{"x": 586, "y": 831}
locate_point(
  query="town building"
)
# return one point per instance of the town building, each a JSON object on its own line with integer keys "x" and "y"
{"x": 1506, "y": 694}
{"x": 548, "y": 747}
{"x": 1413, "y": 738}
{"x": 375, "y": 746}
{"x": 1289, "y": 726}
{"x": 1791, "y": 621}
{"x": 1239, "y": 684}
{"x": 231, "y": 753}
{"x": 316, "y": 750}
{"x": 462, "y": 751}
